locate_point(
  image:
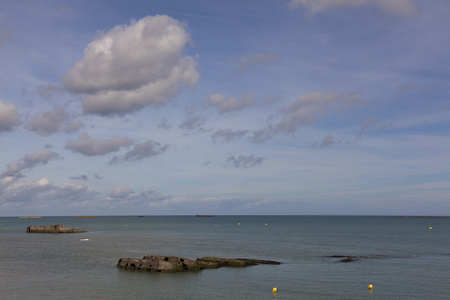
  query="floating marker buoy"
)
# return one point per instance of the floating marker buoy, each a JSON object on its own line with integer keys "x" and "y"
{"x": 239, "y": 223}
{"x": 370, "y": 286}
{"x": 274, "y": 290}
{"x": 430, "y": 227}
{"x": 265, "y": 224}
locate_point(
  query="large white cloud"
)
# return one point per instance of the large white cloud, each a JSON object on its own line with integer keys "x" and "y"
{"x": 9, "y": 116}
{"x": 405, "y": 7}
{"x": 133, "y": 66}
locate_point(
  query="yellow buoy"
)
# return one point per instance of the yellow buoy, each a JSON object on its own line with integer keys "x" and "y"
{"x": 370, "y": 286}
{"x": 430, "y": 227}
{"x": 274, "y": 290}
{"x": 265, "y": 224}
{"x": 239, "y": 223}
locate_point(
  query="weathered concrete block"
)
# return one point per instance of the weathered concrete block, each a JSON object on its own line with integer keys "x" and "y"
{"x": 53, "y": 229}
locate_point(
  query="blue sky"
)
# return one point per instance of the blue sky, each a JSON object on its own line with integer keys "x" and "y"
{"x": 225, "y": 107}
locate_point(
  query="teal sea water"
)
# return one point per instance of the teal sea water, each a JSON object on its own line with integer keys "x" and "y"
{"x": 401, "y": 257}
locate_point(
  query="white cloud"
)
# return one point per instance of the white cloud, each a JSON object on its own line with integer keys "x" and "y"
{"x": 51, "y": 121}
{"x": 308, "y": 107}
{"x": 131, "y": 67}
{"x": 124, "y": 196}
{"x": 9, "y": 116}
{"x": 25, "y": 191}
{"x": 141, "y": 151}
{"x": 29, "y": 161}
{"x": 89, "y": 146}
{"x": 404, "y": 7}
{"x": 48, "y": 122}
{"x": 42, "y": 194}
{"x": 226, "y": 105}
{"x": 121, "y": 192}
{"x": 46, "y": 91}
{"x": 304, "y": 111}
{"x": 192, "y": 122}
{"x": 74, "y": 126}
{"x": 227, "y": 135}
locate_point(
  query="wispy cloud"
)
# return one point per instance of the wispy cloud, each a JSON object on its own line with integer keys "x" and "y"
{"x": 227, "y": 135}
{"x": 243, "y": 161}
{"x": 52, "y": 121}
{"x": 124, "y": 196}
{"x": 403, "y": 7}
{"x": 232, "y": 103}
{"x": 140, "y": 151}
{"x": 305, "y": 111}
{"x": 29, "y": 161}
{"x": 5, "y": 36}
{"x": 89, "y": 146}
{"x": 250, "y": 60}
{"x": 9, "y": 116}
{"x": 80, "y": 177}
{"x": 372, "y": 123}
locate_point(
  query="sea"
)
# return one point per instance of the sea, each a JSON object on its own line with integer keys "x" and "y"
{"x": 400, "y": 257}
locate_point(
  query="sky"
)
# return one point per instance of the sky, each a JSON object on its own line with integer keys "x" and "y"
{"x": 268, "y": 107}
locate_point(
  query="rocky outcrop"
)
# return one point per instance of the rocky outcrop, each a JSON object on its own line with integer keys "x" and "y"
{"x": 53, "y": 229}
{"x": 154, "y": 263}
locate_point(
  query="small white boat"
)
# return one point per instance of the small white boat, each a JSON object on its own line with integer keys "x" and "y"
{"x": 84, "y": 240}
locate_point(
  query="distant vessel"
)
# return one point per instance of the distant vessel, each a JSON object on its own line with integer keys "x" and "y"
{"x": 30, "y": 217}
{"x": 204, "y": 216}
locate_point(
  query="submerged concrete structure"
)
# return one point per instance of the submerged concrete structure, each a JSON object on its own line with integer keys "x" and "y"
{"x": 53, "y": 229}
{"x": 157, "y": 263}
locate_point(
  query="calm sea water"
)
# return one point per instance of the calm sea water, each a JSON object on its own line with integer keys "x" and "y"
{"x": 406, "y": 259}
